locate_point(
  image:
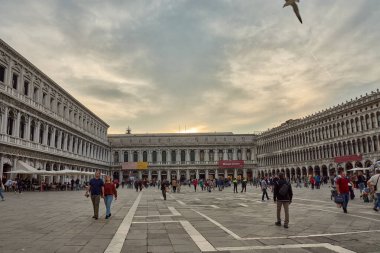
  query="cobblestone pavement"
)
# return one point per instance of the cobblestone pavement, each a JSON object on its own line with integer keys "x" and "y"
{"x": 185, "y": 222}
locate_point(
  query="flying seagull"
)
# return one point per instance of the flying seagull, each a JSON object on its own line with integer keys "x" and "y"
{"x": 295, "y": 7}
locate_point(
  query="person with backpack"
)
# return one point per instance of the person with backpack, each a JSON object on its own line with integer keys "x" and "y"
{"x": 235, "y": 182}
{"x": 244, "y": 185}
{"x": 284, "y": 195}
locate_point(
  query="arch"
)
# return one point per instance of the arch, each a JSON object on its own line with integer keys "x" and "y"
{"x": 358, "y": 164}
{"x": 324, "y": 171}
{"x": 310, "y": 171}
{"x": 317, "y": 170}
{"x": 367, "y": 163}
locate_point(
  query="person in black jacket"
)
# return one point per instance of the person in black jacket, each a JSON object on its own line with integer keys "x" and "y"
{"x": 284, "y": 194}
{"x": 165, "y": 183}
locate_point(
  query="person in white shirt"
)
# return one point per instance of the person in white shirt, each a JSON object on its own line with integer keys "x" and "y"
{"x": 374, "y": 182}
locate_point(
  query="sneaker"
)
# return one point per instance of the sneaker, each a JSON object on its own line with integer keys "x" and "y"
{"x": 373, "y": 208}
{"x": 286, "y": 226}
{"x": 278, "y": 223}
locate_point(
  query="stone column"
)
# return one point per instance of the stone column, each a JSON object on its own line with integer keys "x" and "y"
{"x": 52, "y": 141}
{"x": 46, "y": 129}
{"x": 159, "y": 175}
{"x": 65, "y": 143}
{"x": 80, "y": 147}
{"x": 216, "y": 155}
{"x": 244, "y": 154}
{"x": 4, "y": 120}
{"x": 207, "y": 155}
{"x": 178, "y": 174}
{"x": 168, "y": 175}
{"x": 178, "y": 156}
{"x": 234, "y": 154}
{"x": 197, "y": 173}
{"x": 1, "y": 166}
{"x": 149, "y": 175}
{"x": 245, "y": 173}
{"x": 140, "y": 155}
{"x": 225, "y": 155}
{"x": 225, "y": 173}
{"x": 27, "y": 128}
{"x": 159, "y": 156}
{"x": 187, "y": 157}
{"x": 235, "y": 173}
{"x": 17, "y": 125}
{"x": 120, "y": 176}
{"x": 197, "y": 156}
{"x": 149, "y": 156}
{"x": 206, "y": 174}
{"x": 121, "y": 156}
{"x": 140, "y": 174}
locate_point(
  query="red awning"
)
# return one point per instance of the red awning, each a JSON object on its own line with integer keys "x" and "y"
{"x": 348, "y": 158}
{"x": 231, "y": 164}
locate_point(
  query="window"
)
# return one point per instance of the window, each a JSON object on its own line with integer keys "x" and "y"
{"x": 135, "y": 156}
{"x": 44, "y": 98}
{"x": 22, "y": 128}
{"x": 41, "y": 133}
{"x": 52, "y": 104}
{"x": 10, "y": 123}
{"x": 35, "y": 94}
{"x": 145, "y": 156}
{"x": 32, "y": 129}
{"x": 125, "y": 156}
{"x": 26, "y": 88}
{"x": 163, "y": 155}
{"x": 14, "y": 81}
{"x": 2, "y": 73}
{"x": 154, "y": 156}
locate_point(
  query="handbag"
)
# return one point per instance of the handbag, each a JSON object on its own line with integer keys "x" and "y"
{"x": 339, "y": 199}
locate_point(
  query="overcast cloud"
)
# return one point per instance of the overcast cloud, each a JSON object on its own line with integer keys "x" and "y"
{"x": 216, "y": 65}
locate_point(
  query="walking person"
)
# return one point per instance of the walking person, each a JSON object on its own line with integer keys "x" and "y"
{"x": 164, "y": 187}
{"x": 374, "y": 183}
{"x": 343, "y": 189}
{"x": 195, "y": 183}
{"x": 284, "y": 194}
{"x": 264, "y": 187}
{"x": 109, "y": 192}
{"x": 244, "y": 185}
{"x": 235, "y": 182}
{"x": 174, "y": 185}
{"x": 2, "y": 188}
{"x": 97, "y": 191}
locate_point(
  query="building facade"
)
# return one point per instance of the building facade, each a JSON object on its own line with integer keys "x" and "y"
{"x": 183, "y": 156}
{"x": 344, "y": 136}
{"x": 43, "y": 125}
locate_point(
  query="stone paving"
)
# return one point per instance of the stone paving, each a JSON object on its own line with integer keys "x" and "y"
{"x": 185, "y": 222}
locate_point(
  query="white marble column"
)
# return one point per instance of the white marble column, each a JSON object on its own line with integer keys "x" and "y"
{"x": 27, "y": 128}
{"x": 178, "y": 156}
{"x": 197, "y": 174}
{"x": 1, "y": 166}
{"x": 244, "y": 154}
{"x": 216, "y": 155}
{"x": 225, "y": 173}
{"x": 245, "y": 173}
{"x": 207, "y": 155}
{"x": 178, "y": 174}
{"x": 4, "y": 120}
{"x": 168, "y": 175}
{"x": 234, "y": 154}
{"x": 149, "y": 175}
{"x": 235, "y": 173}
{"x": 206, "y": 174}
{"x": 120, "y": 176}
{"x": 159, "y": 156}
{"x": 46, "y": 129}
{"x": 197, "y": 155}
{"x": 187, "y": 159}
{"x": 225, "y": 155}
{"x": 159, "y": 175}
{"x": 52, "y": 140}
{"x": 17, "y": 125}
{"x": 149, "y": 156}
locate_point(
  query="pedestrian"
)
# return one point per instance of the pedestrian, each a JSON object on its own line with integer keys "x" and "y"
{"x": 343, "y": 189}
{"x": 374, "y": 183}
{"x": 97, "y": 191}
{"x": 140, "y": 185}
{"x": 360, "y": 182}
{"x": 275, "y": 180}
{"x": 284, "y": 195}
{"x": 72, "y": 184}
{"x": 244, "y": 185}
{"x": 164, "y": 188}
{"x": 136, "y": 184}
{"x": 312, "y": 182}
{"x": 174, "y": 185}
{"x": 201, "y": 184}
{"x": 264, "y": 187}
{"x": 235, "y": 182}
{"x": 195, "y": 183}
{"x": 2, "y": 188}
{"x": 77, "y": 184}
{"x": 109, "y": 192}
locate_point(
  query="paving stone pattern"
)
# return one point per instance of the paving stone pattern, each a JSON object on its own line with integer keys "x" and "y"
{"x": 228, "y": 222}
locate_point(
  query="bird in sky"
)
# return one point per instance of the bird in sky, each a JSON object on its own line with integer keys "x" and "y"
{"x": 293, "y": 3}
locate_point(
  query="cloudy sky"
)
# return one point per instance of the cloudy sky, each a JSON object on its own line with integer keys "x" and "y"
{"x": 212, "y": 65}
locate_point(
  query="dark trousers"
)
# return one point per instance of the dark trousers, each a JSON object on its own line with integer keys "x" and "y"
{"x": 95, "y": 204}
{"x": 235, "y": 188}
{"x": 244, "y": 188}
{"x": 265, "y": 194}
{"x": 164, "y": 193}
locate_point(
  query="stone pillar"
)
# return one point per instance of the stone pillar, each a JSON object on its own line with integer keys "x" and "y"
{"x": 27, "y": 128}
{"x": 245, "y": 173}
{"x": 197, "y": 156}
{"x": 234, "y": 154}
{"x": 244, "y": 154}
{"x": 159, "y": 156}
{"x": 140, "y": 174}
{"x": 149, "y": 156}
{"x": 1, "y": 166}
{"x": 216, "y": 155}
{"x": 159, "y": 175}
{"x": 187, "y": 157}
{"x": 120, "y": 176}
{"x": 178, "y": 174}
{"x": 197, "y": 174}
{"x": 235, "y": 173}
{"x": 225, "y": 155}
{"x": 79, "y": 147}
{"x": 149, "y": 175}
{"x": 225, "y": 173}
{"x": 52, "y": 141}
{"x": 4, "y": 120}
{"x": 207, "y": 155}
{"x": 17, "y": 125}
{"x": 206, "y": 174}
{"x": 121, "y": 156}
{"x": 178, "y": 156}
{"x": 168, "y": 175}
{"x": 46, "y": 129}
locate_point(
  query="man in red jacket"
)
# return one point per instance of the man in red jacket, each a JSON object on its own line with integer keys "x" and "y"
{"x": 343, "y": 189}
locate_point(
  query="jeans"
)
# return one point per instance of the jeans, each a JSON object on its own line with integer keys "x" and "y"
{"x": 377, "y": 203}
{"x": 361, "y": 187}
{"x": 265, "y": 194}
{"x": 1, "y": 193}
{"x": 346, "y": 197}
{"x": 164, "y": 193}
{"x": 107, "y": 202}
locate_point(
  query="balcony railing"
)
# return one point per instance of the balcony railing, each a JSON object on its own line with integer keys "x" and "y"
{"x": 47, "y": 149}
{"x": 181, "y": 163}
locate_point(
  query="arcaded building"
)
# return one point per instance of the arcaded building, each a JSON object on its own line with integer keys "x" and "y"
{"x": 346, "y": 136}
{"x": 43, "y": 125}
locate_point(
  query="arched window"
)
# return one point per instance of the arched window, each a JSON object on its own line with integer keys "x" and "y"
{"x": 154, "y": 156}
{"x": 32, "y": 129}
{"x": 145, "y": 156}
{"x": 50, "y": 132}
{"x": 135, "y": 156}
{"x": 183, "y": 156}
{"x": 116, "y": 157}
{"x": 56, "y": 139}
{"x": 163, "y": 155}
{"x": 192, "y": 156}
{"x": 172, "y": 156}
{"x": 125, "y": 156}
{"x": 41, "y": 137}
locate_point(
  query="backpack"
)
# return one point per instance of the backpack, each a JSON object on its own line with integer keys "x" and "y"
{"x": 284, "y": 190}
